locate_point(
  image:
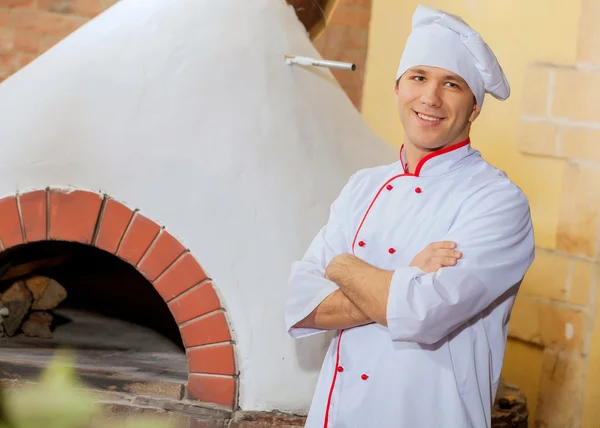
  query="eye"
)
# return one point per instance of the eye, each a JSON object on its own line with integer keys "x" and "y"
{"x": 419, "y": 78}
{"x": 452, "y": 85}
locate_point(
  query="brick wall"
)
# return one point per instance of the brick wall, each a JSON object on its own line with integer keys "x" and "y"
{"x": 558, "y": 308}
{"x": 94, "y": 219}
{"x": 561, "y": 122}
{"x": 30, "y": 27}
{"x": 345, "y": 39}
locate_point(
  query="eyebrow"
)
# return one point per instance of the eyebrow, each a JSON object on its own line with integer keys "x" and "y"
{"x": 453, "y": 78}
{"x": 447, "y": 77}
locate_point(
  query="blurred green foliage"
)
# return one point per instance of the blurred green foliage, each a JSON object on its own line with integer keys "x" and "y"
{"x": 58, "y": 400}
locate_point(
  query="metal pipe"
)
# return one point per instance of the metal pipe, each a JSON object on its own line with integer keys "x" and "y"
{"x": 302, "y": 60}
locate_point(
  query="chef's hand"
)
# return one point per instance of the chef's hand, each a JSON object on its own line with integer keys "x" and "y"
{"x": 341, "y": 264}
{"x": 437, "y": 255}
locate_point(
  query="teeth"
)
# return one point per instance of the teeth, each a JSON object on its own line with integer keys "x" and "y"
{"x": 432, "y": 119}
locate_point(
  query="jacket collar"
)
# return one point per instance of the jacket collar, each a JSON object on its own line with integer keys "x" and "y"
{"x": 441, "y": 161}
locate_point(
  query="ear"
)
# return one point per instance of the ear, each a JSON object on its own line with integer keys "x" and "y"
{"x": 474, "y": 113}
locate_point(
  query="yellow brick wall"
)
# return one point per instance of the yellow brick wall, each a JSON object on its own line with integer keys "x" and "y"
{"x": 556, "y": 308}
{"x": 547, "y": 138}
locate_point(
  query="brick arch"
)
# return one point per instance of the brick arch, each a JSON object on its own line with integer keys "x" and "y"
{"x": 97, "y": 220}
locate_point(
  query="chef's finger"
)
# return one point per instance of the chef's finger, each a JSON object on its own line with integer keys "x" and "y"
{"x": 444, "y": 261}
{"x": 447, "y": 253}
{"x": 442, "y": 244}
{"x": 449, "y": 261}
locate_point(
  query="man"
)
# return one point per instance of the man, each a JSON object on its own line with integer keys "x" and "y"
{"x": 420, "y": 261}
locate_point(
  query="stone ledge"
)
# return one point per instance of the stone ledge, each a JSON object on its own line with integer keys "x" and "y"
{"x": 243, "y": 419}
{"x": 510, "y": 411}
{"x": 182, "y": 407}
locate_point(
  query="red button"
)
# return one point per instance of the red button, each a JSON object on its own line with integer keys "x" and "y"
{"x": 340, "y": 369}
{"x": 364, "y": 377}
{"x": 361, "y": 244}
{"x": 391, "y": 251}
{"x": 418, "y": 190}
{"x": 389, "y": 187}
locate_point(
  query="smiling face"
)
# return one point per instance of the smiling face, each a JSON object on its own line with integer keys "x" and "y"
{"x": 436, "y": 107}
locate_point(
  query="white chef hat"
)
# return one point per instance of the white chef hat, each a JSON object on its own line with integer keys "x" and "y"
{"x": 440, "y": 39}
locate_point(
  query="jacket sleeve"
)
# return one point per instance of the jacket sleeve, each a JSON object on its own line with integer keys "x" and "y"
{"x": 307, "y": 286}
{"x": 493, "y": 231}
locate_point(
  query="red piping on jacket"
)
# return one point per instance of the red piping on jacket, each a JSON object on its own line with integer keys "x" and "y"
{"x": 430, "y": 156}
{"x": 407, "y": 174}
{"x": 335, "y": 372}
{"x": 404, "y": 174}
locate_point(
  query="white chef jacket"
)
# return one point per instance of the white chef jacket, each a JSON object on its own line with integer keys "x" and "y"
{"x": 438, "y": 363}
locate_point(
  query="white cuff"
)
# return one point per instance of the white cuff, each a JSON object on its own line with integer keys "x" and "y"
{"x": 297, "y": 332}
{"x": 401, "y": 279}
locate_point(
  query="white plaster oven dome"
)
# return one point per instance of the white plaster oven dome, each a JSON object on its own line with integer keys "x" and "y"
{"x": 187, "y": 110}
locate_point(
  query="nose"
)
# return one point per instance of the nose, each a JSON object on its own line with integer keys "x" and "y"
{"x": 430, "y": 96}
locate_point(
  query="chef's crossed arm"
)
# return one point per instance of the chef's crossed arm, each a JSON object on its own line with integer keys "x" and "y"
{"x": 315, "y": 303}
{"x": 494, "y": 233}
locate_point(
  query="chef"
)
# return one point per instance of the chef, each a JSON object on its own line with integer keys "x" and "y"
{"x": 419, "y": 263}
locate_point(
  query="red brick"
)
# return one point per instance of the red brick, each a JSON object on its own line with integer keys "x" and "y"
{"x": 347, "y": 38}
{"x": 212, "y": 360}
{"x": 4, "y": 17}
{"x": 89, "y": 8}
{"x": 16, "y": 3}
{"x": 212, "y": 389}
{"x": 320, "y": 42}
{"x": 351, "y": 17}
{"x": 332, "y": 53}
{"x": 359, "y": 3}
{"x": 179, "y": 277}
{"x": 160, "y": 256}
{"x": 114, "y": 222}
{"x": 347, "y": 79}
{"x": 33, "y": 213}
{"x": 25, "y": 59}
{"x": 7, "y": 40}
{"x": 73, "y": 215}
{"x": 25, "y": 42}
{"x": 356, "y": 101}
{"x": 107, "y": 3}
{"x": 204, "y": 331}
{"x": 10, "y": 222}
{"x": 328, "y": 51}
{"x": 194, "y": 303}
{"x": 355, "y": 95}
{"x": 47, "y": 42}
{"x": 9, "y": 63}
{"x": 137, "y": 239}
{"x": 356, "y": 56}
{"x": 45, "y": 23}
